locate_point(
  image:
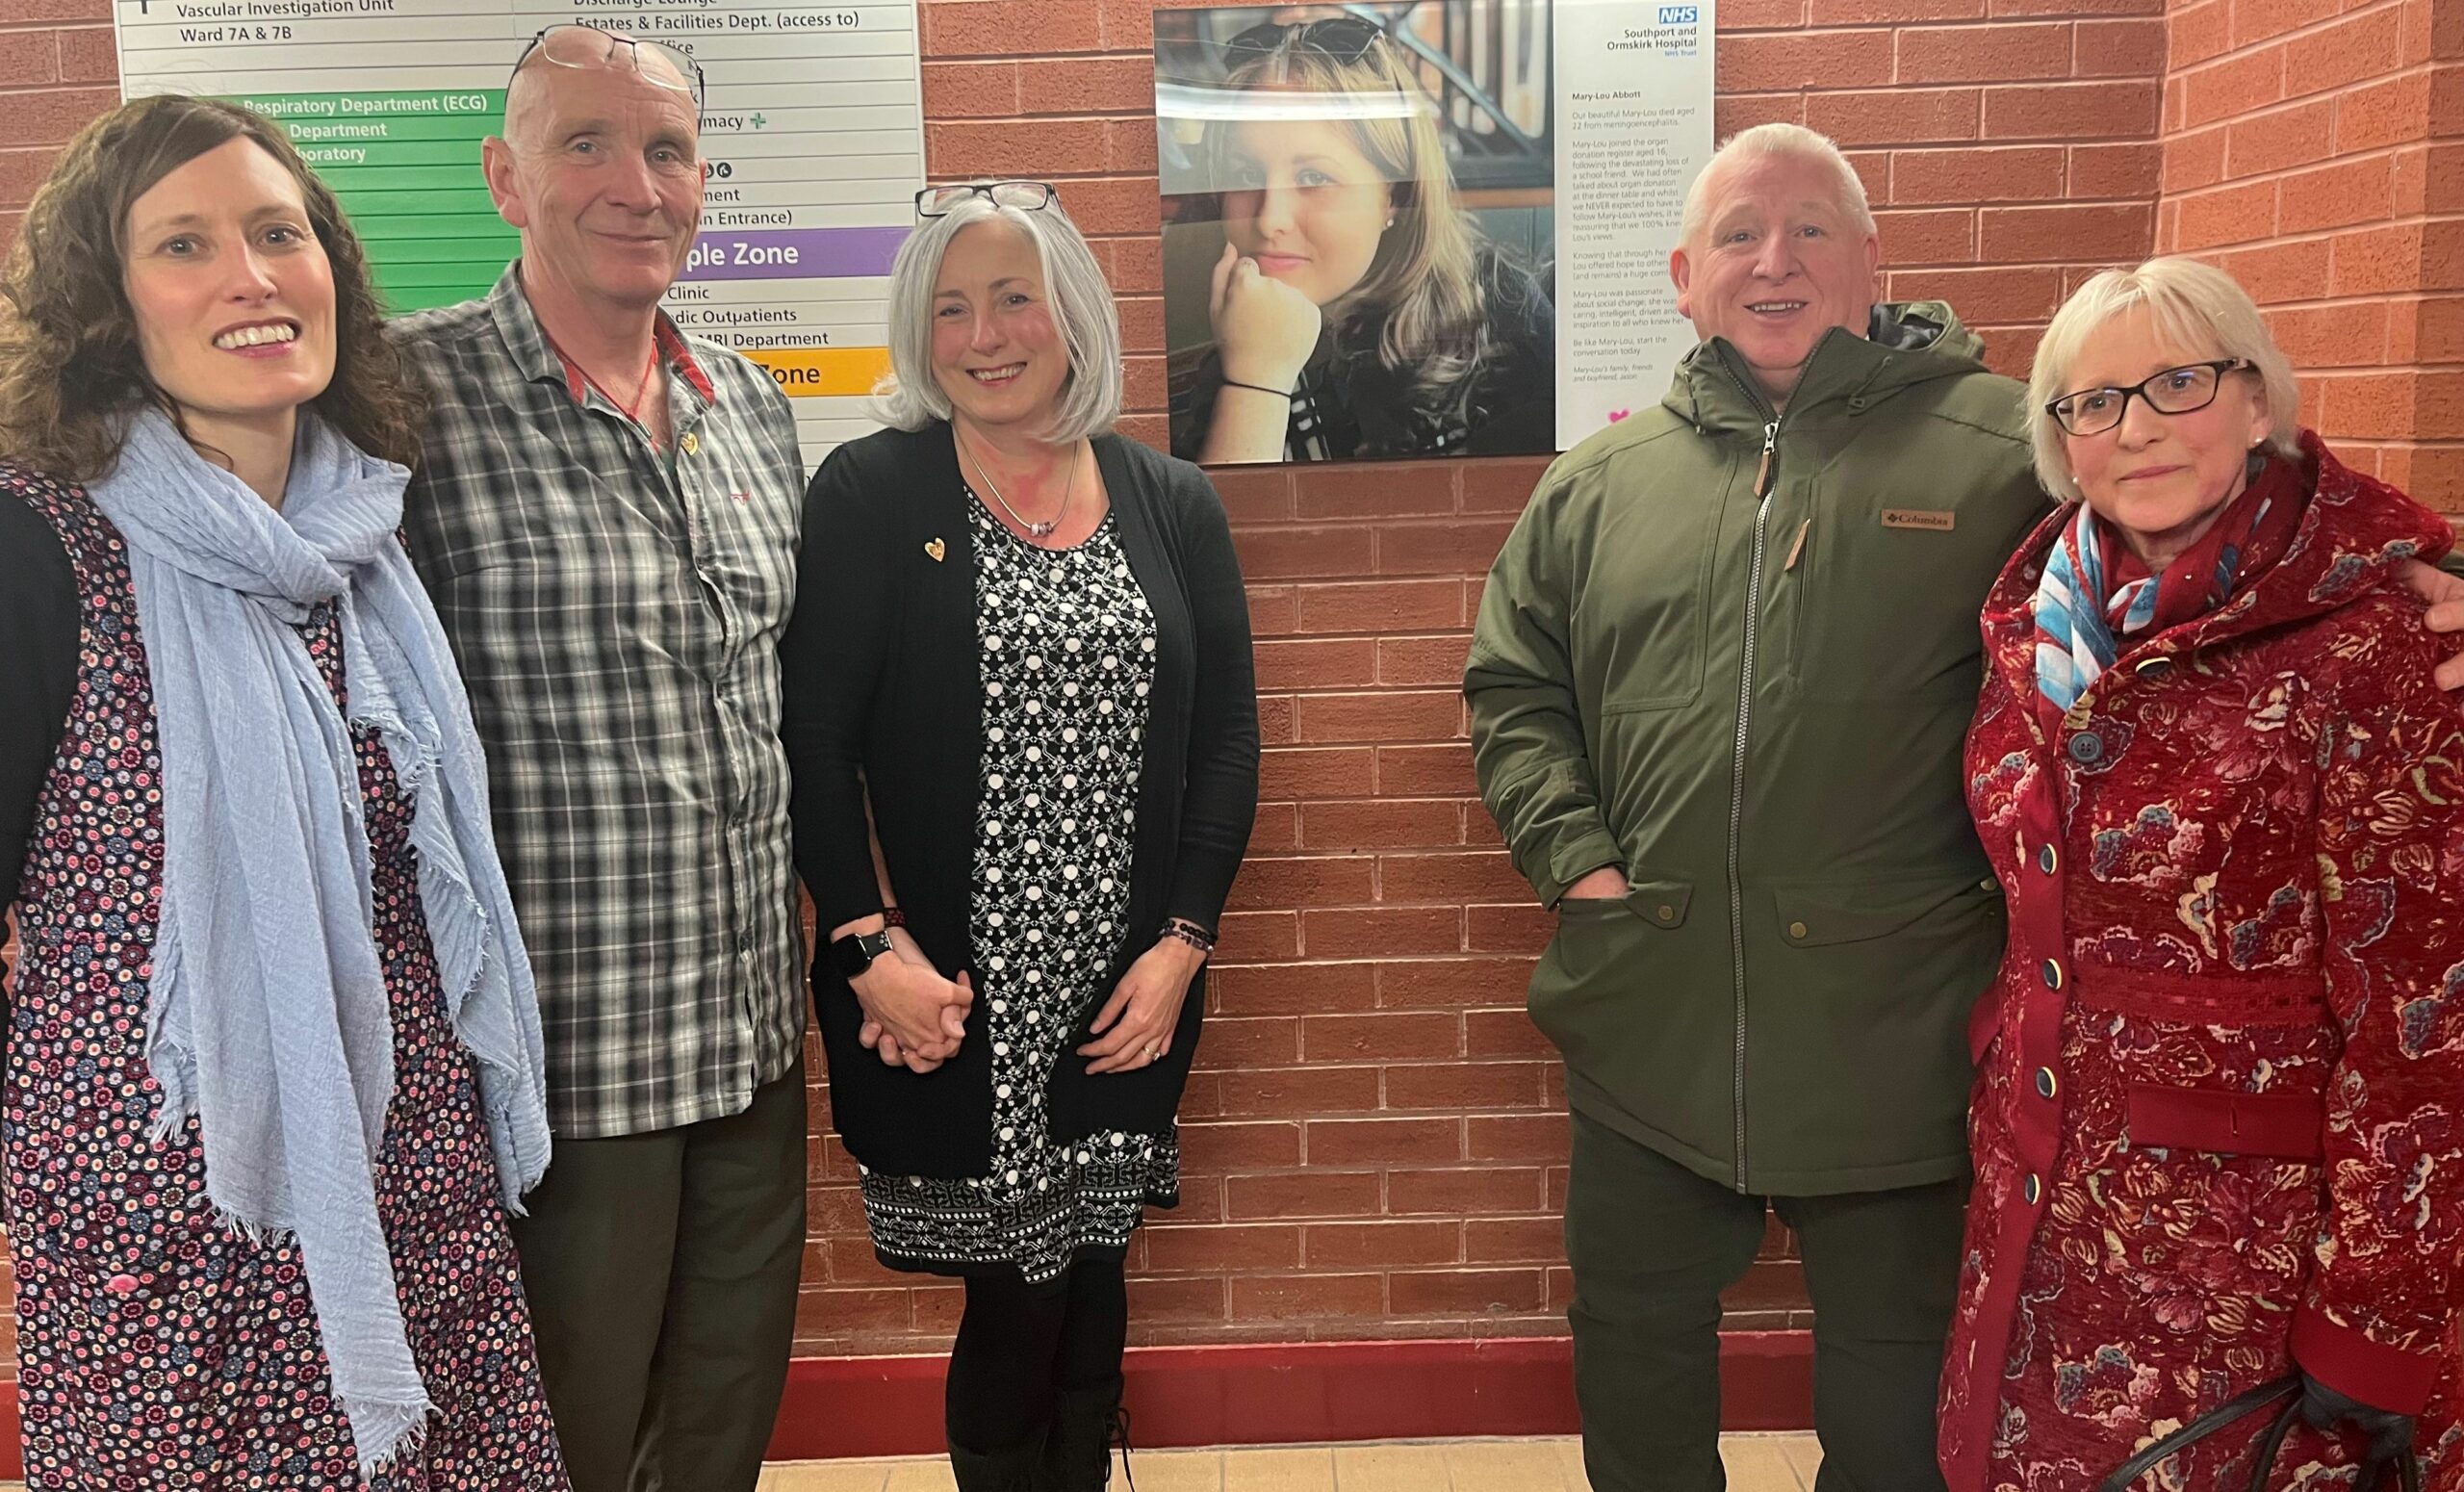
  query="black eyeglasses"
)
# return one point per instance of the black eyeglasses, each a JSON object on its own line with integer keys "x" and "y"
{"x": 573, "y": 44}
{"x": 1025, "y": 195}
{"x": 2176, "y": 391}
{"x": 1347, "y": 39}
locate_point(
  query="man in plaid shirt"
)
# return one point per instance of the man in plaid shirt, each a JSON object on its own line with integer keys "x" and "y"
{"x": 606, "y": 514}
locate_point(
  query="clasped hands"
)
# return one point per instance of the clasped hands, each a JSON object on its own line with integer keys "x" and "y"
{"x": 915, "y": 1019}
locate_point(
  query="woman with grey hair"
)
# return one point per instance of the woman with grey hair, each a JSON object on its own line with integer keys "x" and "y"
{"x": 1024, "y": 734}
{"x": 2219, "y": 1119}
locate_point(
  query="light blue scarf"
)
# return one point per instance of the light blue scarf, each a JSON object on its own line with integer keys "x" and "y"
{"x": 267, "y": 1017}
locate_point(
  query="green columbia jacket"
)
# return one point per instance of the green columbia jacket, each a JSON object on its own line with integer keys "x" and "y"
{"x": 1736, "y": 653}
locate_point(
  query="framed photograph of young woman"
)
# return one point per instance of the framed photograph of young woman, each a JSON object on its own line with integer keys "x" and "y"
{"x": 1358, "y": 229}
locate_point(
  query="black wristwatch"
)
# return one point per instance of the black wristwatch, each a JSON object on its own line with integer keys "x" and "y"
{"x": 856, "y": 952}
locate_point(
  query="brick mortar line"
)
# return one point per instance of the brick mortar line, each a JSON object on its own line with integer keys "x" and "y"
{"x": 2302, "y": 31}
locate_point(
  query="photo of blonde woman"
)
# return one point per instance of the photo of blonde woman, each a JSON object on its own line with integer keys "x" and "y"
{"x": 1358, "y": 224}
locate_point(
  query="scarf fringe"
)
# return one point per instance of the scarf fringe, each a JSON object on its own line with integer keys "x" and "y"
{"x": 261, "y": 1235}
{"x": 386, "y": 1434}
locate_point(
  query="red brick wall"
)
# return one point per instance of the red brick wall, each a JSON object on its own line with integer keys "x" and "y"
{"x": 1375, "y": 1137}
{"x": 2312, "y": 150}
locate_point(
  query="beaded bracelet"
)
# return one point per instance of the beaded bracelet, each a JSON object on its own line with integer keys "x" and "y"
{"x": 1189, "y": 933}
{"x": 891, "y": 917}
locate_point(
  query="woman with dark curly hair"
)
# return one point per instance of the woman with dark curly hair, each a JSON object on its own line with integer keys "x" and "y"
{"x": 274, "y": 1075}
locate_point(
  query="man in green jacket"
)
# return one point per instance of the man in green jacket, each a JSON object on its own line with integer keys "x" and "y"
{"x": 1721, "y": 673}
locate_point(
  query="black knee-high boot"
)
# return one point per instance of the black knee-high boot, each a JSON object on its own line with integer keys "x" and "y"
{"x": 1078, "y": 1451}
{"x": 1000, "y": 1384}
{"x": 1002, "y": 1470}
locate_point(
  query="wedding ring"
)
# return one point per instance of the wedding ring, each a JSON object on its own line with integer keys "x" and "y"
{"x": 1154, "y": 1052}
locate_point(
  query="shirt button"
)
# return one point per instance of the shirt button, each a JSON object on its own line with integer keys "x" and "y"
{"x": 2032, "y": 1188}
{"x": 2046, "y": 859}
{"x": 1796, "y": 930}
{"x": 2052, "y": 974}
{"x": 2045, "y": 1083}
{"x": 691, "y": 442}
{"x": 2086, "y": 746}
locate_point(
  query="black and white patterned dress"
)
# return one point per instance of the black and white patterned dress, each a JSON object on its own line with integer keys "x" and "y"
{"x": 1067, "y": 656}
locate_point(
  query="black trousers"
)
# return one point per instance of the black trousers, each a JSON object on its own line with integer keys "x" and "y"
{"x": 1653, "y": 1244}
{"x": 662, "y": 1271}
{"x": 1018, "y": 1345}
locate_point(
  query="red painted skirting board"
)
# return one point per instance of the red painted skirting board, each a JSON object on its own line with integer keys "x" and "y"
{"x": 1260, "y": 1394}
{"x": 1267, "y": 1392}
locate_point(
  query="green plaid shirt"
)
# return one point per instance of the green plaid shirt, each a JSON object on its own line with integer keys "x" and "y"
{"x": 616, "y": 612}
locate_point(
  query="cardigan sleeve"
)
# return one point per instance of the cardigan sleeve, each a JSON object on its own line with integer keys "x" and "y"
{"x": 38, "y": 627}
{"x": 831, "y": 660}
{"x": 1220, "y": 796}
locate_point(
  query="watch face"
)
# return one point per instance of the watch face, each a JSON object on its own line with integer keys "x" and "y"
{"x": 856, "y": 952}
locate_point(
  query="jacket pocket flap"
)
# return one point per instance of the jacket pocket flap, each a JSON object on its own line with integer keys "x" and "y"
{"x": 1662, "y": 902}
{"x": 2284, "y": 1125}
{"x": 1811, "y": 916}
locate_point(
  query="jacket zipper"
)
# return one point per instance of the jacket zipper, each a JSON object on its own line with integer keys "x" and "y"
{"x": 1736, "y": 781}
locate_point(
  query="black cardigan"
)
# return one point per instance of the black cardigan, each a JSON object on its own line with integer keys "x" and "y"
{"x": 883, "y": 697}
{"x": 39, "y": 626}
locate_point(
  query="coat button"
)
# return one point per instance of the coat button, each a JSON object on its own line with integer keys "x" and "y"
{"x": 2032, "y": 1188}
{"x": 1988, "y": 883}
{"x": 2086, "y": 746}
{"x": 2052, "y": 974}
{"x": 2153, "y": 667}
{"x": 2046, "y": 859}
{"x": 1796, "y": 930}
{"x": 691, "y": 442}
{"x": 1666, "y": 913}
{"x": 2045, "y": 1083}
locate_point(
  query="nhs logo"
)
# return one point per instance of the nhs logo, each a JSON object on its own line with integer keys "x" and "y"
{"x": 1679, "y": 14}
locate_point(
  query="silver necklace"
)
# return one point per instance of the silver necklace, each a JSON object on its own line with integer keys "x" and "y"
{"x": 1034, "y": 530}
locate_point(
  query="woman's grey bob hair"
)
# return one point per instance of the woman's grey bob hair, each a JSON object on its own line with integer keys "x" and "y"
{"x": 1082, "y": 308}
{"x": 2198, "y": 310}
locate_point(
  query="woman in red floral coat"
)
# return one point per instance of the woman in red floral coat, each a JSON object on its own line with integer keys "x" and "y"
{"x": 2219, "y": 1120}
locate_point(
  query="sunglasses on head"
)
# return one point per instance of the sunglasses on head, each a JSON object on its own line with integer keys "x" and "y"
{"x": 1347, "y": 39}
{"x": 573, "y": 44}
{"x": 1026, "y": 196}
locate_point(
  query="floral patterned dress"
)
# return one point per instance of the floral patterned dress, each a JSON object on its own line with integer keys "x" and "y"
{"x": 156, "y": 1348}
{"x": 2219, "y": 1120}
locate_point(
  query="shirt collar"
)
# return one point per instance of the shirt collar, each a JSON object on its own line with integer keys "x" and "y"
{"x": 518, "y": 322}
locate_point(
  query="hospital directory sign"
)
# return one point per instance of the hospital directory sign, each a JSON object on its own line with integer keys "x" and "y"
{"x": 811, "y": 122}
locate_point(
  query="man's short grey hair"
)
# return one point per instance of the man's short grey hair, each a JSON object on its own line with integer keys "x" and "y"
{"x": 2196, "y": 309}
{"x": 1082, "y": 308}
{"x": 1778, "y": 140}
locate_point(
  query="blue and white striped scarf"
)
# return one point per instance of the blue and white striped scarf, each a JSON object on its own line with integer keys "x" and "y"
{"x": 2080, "y": 618}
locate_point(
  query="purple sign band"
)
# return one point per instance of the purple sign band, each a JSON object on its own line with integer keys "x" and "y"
{"x": 793, "y": 253}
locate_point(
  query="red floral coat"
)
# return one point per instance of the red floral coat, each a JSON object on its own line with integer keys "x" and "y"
{"x": 2218, "y": 1116}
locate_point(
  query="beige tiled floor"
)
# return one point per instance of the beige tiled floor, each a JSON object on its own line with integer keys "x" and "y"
{"x": 1757, "y": 1463}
